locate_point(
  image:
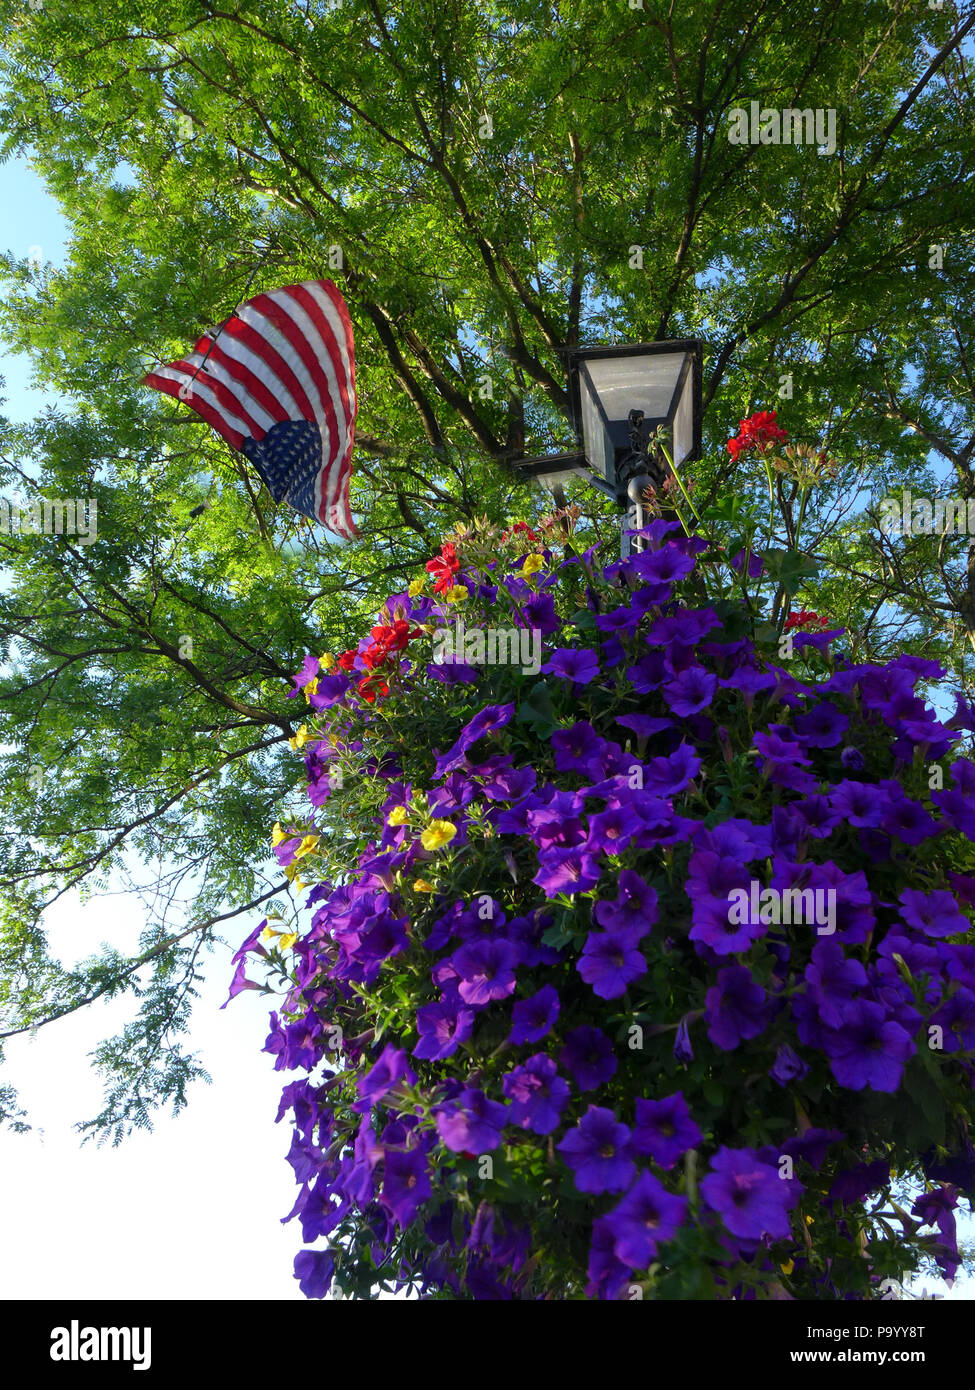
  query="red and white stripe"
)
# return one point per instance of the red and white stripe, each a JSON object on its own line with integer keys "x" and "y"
{"x": 286, "y": 355}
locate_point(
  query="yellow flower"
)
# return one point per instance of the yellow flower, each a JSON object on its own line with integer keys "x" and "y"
{"x": 533, "y": 563}
{"x": 301, "y": 737}
{"x": 416, "y": 587}
{"x": 457, "y": 594}
{"x": 437, "y": 834}
{"x": 288, "y": 941}
{"x": 326, "y": 661}
{"x": 397, "y": 816}
{"x": 299, "y": 882}
{"x": 268, "y": 934}
{"x": 788, "y": 1267}
{"x": 420, "y": 885}
{"x": 277, "y": 835}
{"x": 307, "y": 845}
{"x": 310, "y": 689}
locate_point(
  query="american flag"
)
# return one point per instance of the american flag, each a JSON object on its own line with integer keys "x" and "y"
{"x": 277, "y": 381}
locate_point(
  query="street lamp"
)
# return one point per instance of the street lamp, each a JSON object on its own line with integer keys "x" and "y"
{"x": 620, "y": 397}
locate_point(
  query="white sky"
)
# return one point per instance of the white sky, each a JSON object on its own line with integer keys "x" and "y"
{"x": 192, "y": 1210}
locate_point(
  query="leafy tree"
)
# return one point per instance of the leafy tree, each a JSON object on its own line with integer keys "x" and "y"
{"x": 486, "y": 185}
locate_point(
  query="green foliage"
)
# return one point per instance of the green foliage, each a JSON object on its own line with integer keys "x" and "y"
{"x": 202, "y": 153}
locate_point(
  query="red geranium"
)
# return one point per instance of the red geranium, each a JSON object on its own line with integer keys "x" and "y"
{"x": 386, "y": 641}
{"x": 805, "y": 618}
{"x": 518, "y": 528}
{"x": 372, "y": 685}
{"x": 444, "y": 566}
{"x": 755, "y": 433}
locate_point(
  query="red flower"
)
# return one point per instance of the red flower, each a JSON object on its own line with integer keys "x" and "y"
{"x": 346, "y": 661}
{"x": 756, "y": 432}
{"x": 372, "y": 685}
{"x": 520, "y": 526}
{"x": 386, "y": 641}
{"x": 805, "y": 618}
{"x": 444, "y": 566}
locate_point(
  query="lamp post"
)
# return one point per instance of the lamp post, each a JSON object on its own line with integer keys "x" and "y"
{"x": 620, "y": 397}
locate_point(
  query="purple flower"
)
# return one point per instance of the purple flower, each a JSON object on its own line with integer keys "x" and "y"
{"x": 486, "y": 970}
{"x": 683, "y": 1052}
{"x": 788, "y": 1066}
{"x": 869, "y": 1050}
{"x": 691, "y": 691}
{"x": 668, "y": 776}
{"x": 579, "y": 665}
{"x": 644, "y": 725}
{"x": 856, "y": 1183}
{"x": 406, "y": 1184}
{"x": 537, "y": 1093}
{"x": 749, "y": 1195}
{"x": 453, "y": 672}
{"x": 823, "y": 726}
{"x": 858, "y": 803}
{"x": 609, "y": 961}
{"x": 510, "y": 784}
{"x": 664, "y": 566}
{"x": 936, "y": 914}
{"x": 572, "y": 870}
{"x": 608, "y": 1276}
{"x": 634, "y": 910}
{"x": 598, "y": 1152}
{"x": 646, "y": 1218}
{"x": 392, "y": 1066}
{"x": 314, "y": 1268}
{"x": 735, "y": 1009}
{"x": 852, "y": 760}
{"x": 471, "y": 1124}
{"x": 937, "y": 1208}
{"x": 533, "y": 1018}
{"x": 832, "y": 981}
{"x": 442, "y": 1028}
{"x": 574, "y": 747}
{"x": 487, "y": 721}
{"x": 538, "y": 613}
{"x": 588, "y": 1054}
{"x": 665, "y": 1130}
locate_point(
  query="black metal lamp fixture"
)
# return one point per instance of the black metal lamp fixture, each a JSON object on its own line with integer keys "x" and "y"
{"x": 620, "y": 397}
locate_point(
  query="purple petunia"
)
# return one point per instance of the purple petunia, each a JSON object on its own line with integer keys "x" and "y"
{"x": 633, "y": 910}
{"x": 392, "y": 1066}
{"x": 537, "y": 1093}
{"x": 691, "y": 691}
{"x": 598, "y": 1152}
{"x": 610, "y": 960}
{"x": 749, "y": 1196}
{"x": 406, "y": 1184}
{"x": 664, "y": 1129}
{"x": 735, "y": 1009}
{"x": 936, "y": 913}
{"x": 572, "y": 870}
{"x": 442, "y": 1027}
{"x": 533, "y": 1018}
{"x": 471, "y": 1124}
{"x": 486, "y": 970}
{"x": 314, "y": 1270}
{"x": 588, "y": 1054}
{"x": 870, "y": 1050}
{"x": 646, "y": 1218}
{"x": 579, "y": 665}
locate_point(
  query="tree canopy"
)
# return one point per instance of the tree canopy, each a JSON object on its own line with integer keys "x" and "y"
{"x": 486, "y": 185}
